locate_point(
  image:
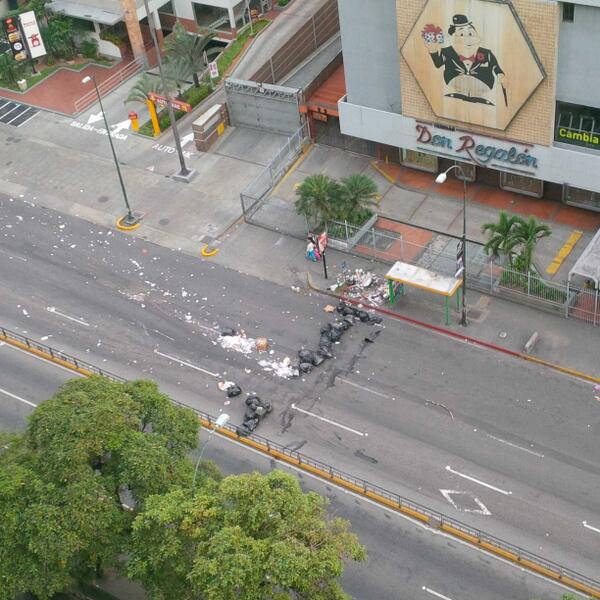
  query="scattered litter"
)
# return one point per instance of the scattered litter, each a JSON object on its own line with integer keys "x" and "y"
{"x": 502, "y": 334}
{"x": 239, "y": 343}
{"x": 329, "y": 308}
{"x": 296, "y": 289}
{"x": 262, "y": 344}
{"x": 227, "y": 332}
{"x": 225, "y": 385}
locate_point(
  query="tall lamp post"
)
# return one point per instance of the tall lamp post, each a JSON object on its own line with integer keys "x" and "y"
{"x": 441, "y": 178}
{"x": 129, "y": 220}
{"x": 221, "y": 421}
{"x": 184, "y": 174}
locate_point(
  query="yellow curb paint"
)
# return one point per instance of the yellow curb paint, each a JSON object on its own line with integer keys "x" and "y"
{"x": 208, "y": 253}
{"x": 382, "y": 172}
{"x": 357, "y": 489}
{"x": 122, "y": 227}
{"x": 299, "y": 161}
{"x": 562, "y": 254}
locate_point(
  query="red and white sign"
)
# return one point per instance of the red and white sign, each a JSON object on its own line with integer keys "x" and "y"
{"x": 175, "y": 104}
{"x": 213, "y": 69}
{"x": 32, "y": 35}
{"x": 322, "y": 241}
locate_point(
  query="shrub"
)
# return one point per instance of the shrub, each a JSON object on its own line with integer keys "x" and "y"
{"x": 89, "y": 48}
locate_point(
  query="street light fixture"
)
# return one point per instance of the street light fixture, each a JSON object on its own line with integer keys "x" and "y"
{"x": 221, "y": 421}
{"x": 129, "y": 220}
{"x": 184, "y": 174}
{"x": 441, "y": 178}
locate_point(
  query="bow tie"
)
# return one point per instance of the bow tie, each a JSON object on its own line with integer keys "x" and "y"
{"x": 463, "y": 58}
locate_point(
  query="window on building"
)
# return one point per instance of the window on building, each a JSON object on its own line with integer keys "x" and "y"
{"x": 577, "y": 125}
{"x": 521, "y": 184}
{"x": 568, "y": 12}
{"x": 581, "y": 198}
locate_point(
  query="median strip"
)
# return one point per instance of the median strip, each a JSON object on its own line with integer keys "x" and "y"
{"x": 390, "y": 500}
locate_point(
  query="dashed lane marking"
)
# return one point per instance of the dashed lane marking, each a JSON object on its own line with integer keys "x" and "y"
{"x": 10, "y": 395}
{"x": 311, "y": 414}
{"x": 53, "y": 310}
{"x": 186, "y": 364}
{"x": 585, "y": 524}
{"x": 364, "y": 388}
{"x": 515, "y": 445}
{"x": 434, "y": 593}
{"x": 483, "y": 483}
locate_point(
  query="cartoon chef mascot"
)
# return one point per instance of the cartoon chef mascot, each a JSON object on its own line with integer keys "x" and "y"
{"x": 469, "y": 70}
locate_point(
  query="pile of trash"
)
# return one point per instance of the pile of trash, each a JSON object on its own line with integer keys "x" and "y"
{"x": 362, "y": 285}
{"x": 256, "y": 409}
{"x": 333, "y": 332}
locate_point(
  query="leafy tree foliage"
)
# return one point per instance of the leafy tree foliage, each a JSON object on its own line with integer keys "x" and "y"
{"x": 246, "y": 537}
{"x": 319, "y": 199}
{"x": 358, "y": 193}
{"x": 62, "y": 481}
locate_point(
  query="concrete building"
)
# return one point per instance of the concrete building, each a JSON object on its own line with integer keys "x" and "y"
{"x": 508, "y": 90}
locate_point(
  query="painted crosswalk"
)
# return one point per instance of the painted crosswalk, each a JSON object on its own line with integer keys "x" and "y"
{"x": 16, "y": 114}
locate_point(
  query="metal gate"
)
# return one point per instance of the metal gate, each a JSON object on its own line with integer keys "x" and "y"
{"x": 263, "y": 106}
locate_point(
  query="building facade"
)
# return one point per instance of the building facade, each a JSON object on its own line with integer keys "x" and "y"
{"x": 509, "y": 90}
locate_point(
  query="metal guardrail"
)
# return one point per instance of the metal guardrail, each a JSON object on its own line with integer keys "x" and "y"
{"x": 109, "y": 83}
{"x": 434, "y": 518}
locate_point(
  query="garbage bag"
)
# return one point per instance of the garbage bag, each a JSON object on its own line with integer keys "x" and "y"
{"x": 349, "y": 320}
{"x": 234, "y": 390}
{"x": 268, "y": 406}
{"x": 375, "y": 319}
{"x": 252, "y": 399}
{"x": 305, "y": 356}
{"x": 325, "y": 341}
{"x": 371, "y": 337}
{"x": 344, "y": 325}
{"x": 318, "y": 360}
{"x": 306, "y": 367}
{"x": 260, "y": 411}
{"x": 325, "y": 353}
{"x": 348, "y": 311}
{"x": 250, "y": 412}
{"x": 227, "y": 331}
{"x": 250, "y": 424}
{"x": 364, "y": 316}
{"x": 341, "y": 306}
{"x": 335, "y": 334}
{"x": 325, "y": 328}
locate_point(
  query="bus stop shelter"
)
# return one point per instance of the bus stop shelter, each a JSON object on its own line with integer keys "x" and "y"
{"x": 402, "y": 274}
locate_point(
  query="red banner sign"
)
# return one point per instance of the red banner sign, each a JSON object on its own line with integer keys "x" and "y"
{"x": 175, "y": 104}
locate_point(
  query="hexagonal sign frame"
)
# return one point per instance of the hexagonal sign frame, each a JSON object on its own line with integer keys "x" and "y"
{"x": 473, "y": 60}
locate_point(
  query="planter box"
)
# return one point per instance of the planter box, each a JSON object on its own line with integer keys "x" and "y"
{"x": 347, "y": 245}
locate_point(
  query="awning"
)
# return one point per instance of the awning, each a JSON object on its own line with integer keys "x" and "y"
{"x": 588, "y": 264}
{"x": 325, "y": 100}
{"x": 86, "y": 12}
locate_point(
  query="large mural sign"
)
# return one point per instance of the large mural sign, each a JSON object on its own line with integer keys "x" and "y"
{"x": 473, "y": 60}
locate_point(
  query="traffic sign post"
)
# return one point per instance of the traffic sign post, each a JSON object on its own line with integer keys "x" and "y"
{"x": 322, "y": 242}
{"x": 460, "y": 260}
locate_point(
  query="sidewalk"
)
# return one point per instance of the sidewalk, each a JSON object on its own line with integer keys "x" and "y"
{"x": 271, "y": 256}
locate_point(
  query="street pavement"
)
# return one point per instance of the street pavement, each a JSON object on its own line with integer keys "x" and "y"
{"x": 406, "y": 561}
{"x": 431, "y": 418}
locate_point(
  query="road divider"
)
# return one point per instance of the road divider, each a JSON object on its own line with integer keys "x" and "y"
{"x": 436, "y": 520}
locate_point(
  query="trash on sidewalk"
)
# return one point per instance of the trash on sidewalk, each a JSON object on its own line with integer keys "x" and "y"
{"x": 262, "y": 344}
{"x": 329, "y": 308}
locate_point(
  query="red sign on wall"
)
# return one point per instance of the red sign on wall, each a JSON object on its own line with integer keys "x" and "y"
{"x": 175, "y": 104}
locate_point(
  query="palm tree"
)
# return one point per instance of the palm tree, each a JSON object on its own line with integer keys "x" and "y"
{"x": 189, "y": 49}
{"x": 319, "y": 199}
{"x": 359, "y": 193}
{"x": 143, "y": 87}
{"x": 527, "y": 234}
{"x": 502, "y": 238}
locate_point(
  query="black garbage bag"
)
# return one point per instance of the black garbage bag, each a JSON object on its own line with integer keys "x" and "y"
{"x": 250, "y": 424}
{"x": 260, "y": 411}
{"x": 227, "y": 331}
{"x": 325, "y": 353}
{"x": 344, "y": 325}
{"x": 267, "y": 405}
{"x": 250, "y": 412}
{"x": 375, "y": 319}
{"x": 252, "y": 399}
{"x": 305, "y": 356}
{"x": 364, "y": 316}
{"x": 325, "y": 341}
{"x": 234, "y": 390}
{"x": 348, "y": 311}
{"x": 334, "y": 334}
{"x": 306, "y": 367}
{"x": 318, "y": 360}
{"x": 341, "y": 306}
{"x": 349, "y": 320}
{"x": 325, "y": 328}
{"x": 371, "y": 337}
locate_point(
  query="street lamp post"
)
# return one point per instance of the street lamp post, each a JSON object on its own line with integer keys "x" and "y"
{"x": 184, "y": 174}
{"x": 221, "y": 421}
{"x": 129, "y": 220}
{"x": 441, "y": 178}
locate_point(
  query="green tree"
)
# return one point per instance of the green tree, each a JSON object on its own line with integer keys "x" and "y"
{"x": 501, "y": 236}
{"x": 144, "y": 86}
{"x": 358, "y": 192}
{"x": 63, "y": 480}
{"x": 188, "y": 49}
{"x": 251, "y": 536}
{"x": 10, "y": 70}
{"x": 528, "y": 233}
{"x": 320, "y": 199}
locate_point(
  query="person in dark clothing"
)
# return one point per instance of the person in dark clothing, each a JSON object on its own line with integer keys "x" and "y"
{"x": 470, "y": 70}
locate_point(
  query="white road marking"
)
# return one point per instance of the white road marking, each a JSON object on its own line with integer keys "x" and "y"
{"x": 482, "y": 510}
{"x": 483, "y": 483}
{"x": 310, "y": 414}
{"x": 515, "y": 445}
{"x": 54, "y": 311}
{"x": 28, "y": 119}
{"x": 186, "y": 364}
{"x": 364, "y": 388}
{"x": 94, "y": 118}
{"x": 186, "y": 139}
{"x": 13, "y": 256}
{"x": 163, "y": 334}
{"x": 17, "y": 398}
{"x": 434, "y": 593}
{"x": 585, "y": 524}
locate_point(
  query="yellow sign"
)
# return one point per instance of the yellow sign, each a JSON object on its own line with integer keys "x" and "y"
{"x": 473, "y": 60}
{"x": 220, "y": 128}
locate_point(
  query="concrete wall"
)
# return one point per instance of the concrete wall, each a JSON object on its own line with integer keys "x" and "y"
{"x": 578, "y": 79}
{"x": 370, "y": 45}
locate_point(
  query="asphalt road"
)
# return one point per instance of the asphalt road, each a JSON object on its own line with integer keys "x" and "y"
{"x": 406, "y": 561}
{"x": 503, "y": 445}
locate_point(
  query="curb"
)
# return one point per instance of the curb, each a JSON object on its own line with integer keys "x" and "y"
{"x": 434, "y": 520}
{"x": 454, "y": 334}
